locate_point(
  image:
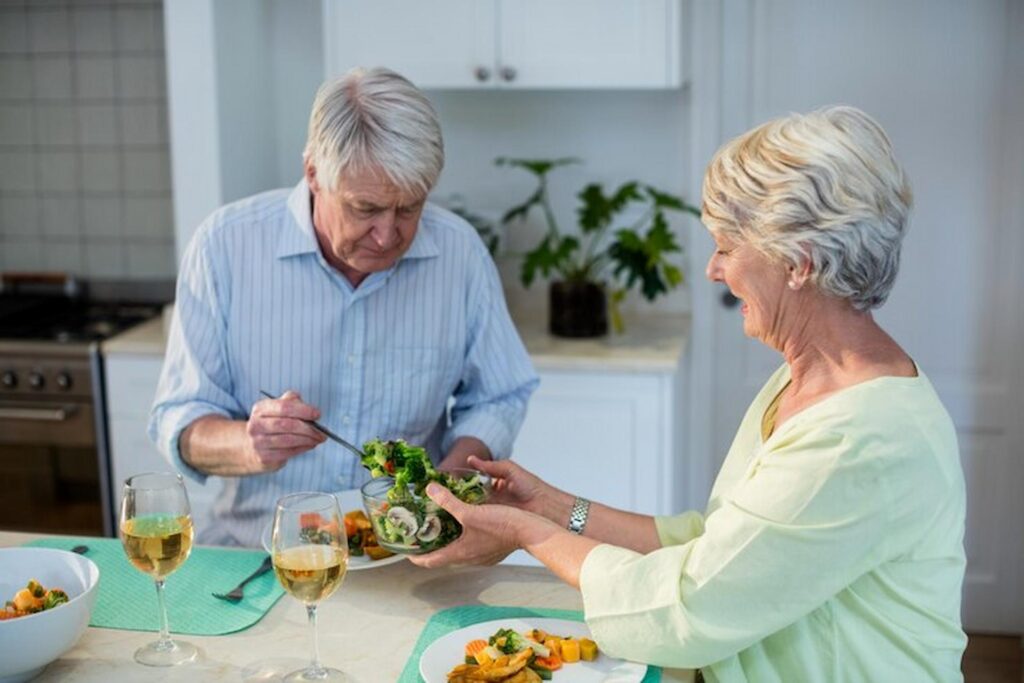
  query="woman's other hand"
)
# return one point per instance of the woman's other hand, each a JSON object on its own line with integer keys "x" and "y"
{"x": 489, "y": 532}
{"x": 513, "y": 485}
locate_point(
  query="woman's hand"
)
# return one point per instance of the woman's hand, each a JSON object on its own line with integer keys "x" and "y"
{"x": 489, "y": 532}
{"x": 519, "y": 488}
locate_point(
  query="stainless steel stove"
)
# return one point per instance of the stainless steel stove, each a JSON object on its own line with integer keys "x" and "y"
{"x": 54, "y": 464}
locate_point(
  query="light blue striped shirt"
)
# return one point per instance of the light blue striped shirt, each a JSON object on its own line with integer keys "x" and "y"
{"x": 258, "y": 307}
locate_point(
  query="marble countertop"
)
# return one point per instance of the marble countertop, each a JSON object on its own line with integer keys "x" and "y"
{"x": 368, "y": 628}
{"x": 651, "y": 343}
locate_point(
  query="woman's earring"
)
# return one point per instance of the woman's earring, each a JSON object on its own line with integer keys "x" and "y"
{"x": 793, "y": 284}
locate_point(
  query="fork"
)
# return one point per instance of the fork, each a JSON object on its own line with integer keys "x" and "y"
{"x": 236, "y": 593}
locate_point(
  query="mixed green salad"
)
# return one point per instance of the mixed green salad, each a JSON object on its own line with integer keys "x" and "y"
{"x": 408, "y": 521}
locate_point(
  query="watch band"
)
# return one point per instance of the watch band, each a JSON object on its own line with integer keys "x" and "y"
{"x": 578, "y": 516}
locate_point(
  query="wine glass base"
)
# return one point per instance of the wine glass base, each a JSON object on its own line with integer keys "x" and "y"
{"x": 323, "y": 675}
{"x": 166, "y": 653}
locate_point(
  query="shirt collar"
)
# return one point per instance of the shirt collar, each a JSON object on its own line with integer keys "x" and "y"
{"x": 300, "y": 238}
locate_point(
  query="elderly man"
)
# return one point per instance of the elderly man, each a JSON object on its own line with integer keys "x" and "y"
{"x": 353, "y": 300}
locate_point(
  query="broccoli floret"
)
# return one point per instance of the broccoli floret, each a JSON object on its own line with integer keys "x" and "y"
{"x": 54, "y": 597}
{"x": 507, "y": 640}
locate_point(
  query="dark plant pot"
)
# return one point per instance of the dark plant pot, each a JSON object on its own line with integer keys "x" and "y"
{"x": 578, "y": 310}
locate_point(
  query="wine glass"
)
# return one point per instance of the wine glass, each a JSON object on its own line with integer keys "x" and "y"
{"x": 156, "y": 531}
{"x": 310, "y": 553}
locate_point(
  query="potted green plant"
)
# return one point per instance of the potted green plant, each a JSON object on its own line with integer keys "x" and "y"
{"x": 597, "y": 267}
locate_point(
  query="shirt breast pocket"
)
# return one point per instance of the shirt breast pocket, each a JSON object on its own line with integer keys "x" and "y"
{"x": 410, "y": 386}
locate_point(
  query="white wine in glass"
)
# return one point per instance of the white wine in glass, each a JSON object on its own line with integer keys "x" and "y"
{"x": 310, "y": 553}
{"x": 156, "y": 531}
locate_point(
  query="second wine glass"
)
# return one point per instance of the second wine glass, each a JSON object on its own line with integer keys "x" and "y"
{"x": 310, "y": 553}
{"x": 156, "y": 531}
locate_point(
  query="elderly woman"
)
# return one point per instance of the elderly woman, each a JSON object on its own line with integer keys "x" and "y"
{"x": 832, "y": 545}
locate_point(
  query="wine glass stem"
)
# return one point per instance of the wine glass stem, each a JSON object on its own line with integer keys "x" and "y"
{"x": 315, "y": 667}
{"x": 165, "y": 633}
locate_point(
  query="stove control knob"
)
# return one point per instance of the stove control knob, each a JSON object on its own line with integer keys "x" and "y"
{"x": 64, "y": 380}
{"x": 36, "y": 380}
{"x": 9, "y": 379}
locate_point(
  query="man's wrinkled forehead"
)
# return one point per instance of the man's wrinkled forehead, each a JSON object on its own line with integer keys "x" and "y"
{"x": 374, "y": 186}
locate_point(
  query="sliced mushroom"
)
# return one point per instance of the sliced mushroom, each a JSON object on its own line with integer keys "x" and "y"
{"x": 430, "y": 530}
{"x": 403, "y": 520}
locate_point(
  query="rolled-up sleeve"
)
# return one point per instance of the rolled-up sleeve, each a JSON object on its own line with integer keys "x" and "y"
{"x": 195, "y": 380}
{"x": 498, "y": 377}
{"x": 810, "y": 518}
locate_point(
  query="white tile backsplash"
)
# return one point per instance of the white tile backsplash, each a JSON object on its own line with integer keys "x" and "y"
{"x": 101, "y": 171}
{"x": 49, "y": 30}
{"x": 57, "y": 171}
{"x": 54, "y": 125}
{"x": 93, "y": 28}
{"x": 101, "y": 217}
{"x": 97, "y": 124}
{"x": 51, "y": 78}
{"x": 15, "y": 78}
{"x": 59, "y": 216}
{"x": 17, "y": 170}
{"x": 23, "y": 253}
{"x": 15, "y": 124}
{"x": 19, "y": 215}
{"x": 105, "y": 259}
{"x": 84, "y": 168}
{"x": 13, "y": 30}
{"x": 146, "y": 170}
{"x": 137, "y": 77}
{"x": 147, "y": 218}
{"x": 151, "y": 260}
{"x": 141, "y": 125}
{"x": 64, "y": 255}
{"x": 94, "y": 78}
{"x": 135, "y": 27}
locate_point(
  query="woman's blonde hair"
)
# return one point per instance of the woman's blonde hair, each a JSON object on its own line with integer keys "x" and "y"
{"x": 822, "y": 188}
{"x": 375, "y": 120}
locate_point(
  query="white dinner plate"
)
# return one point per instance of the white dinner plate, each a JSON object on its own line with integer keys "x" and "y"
{"x": 446, "y": 652}
{"x": 347, "y": 500}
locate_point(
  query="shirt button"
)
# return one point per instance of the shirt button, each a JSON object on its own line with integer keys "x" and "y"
{"x": 351, "y": 359}
{"x": 346, "y": 420}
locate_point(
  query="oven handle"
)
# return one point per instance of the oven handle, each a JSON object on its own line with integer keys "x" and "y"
{"x": 49, "y": 414}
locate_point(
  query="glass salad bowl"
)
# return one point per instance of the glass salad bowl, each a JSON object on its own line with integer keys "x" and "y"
{"x": 406, "y": 521}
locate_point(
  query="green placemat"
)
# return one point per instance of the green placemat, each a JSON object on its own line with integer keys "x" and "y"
{"x": 127, "y": 597}
{"x": 454, "y": 618}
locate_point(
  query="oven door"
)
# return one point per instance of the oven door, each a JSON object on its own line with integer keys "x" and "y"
{"x": 48, "y": 467}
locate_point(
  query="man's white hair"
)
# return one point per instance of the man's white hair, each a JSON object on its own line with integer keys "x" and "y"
{"x": 375, "y": 121}
{"x": 822, "y": 188}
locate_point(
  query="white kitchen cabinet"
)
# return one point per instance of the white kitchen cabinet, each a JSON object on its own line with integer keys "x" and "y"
{"x": 606, "y": 422}
{"x": 510, "y": 44}
{"x": 131, "y": 381}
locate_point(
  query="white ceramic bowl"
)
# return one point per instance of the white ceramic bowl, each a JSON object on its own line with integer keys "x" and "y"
{"x": 29, "y": 643}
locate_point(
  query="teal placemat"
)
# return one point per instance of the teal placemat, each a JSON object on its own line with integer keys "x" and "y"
{"x": 127, "y": 597}
{"x": 454, "y": 618}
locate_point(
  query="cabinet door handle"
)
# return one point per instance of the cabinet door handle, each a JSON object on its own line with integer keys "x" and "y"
{"x": 482, "y": 73}
{"x": 52, "y": 414}
{"x": 508, "y": 73}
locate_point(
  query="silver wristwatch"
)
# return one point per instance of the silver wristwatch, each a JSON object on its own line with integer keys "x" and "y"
{"x": 578, "y": 516}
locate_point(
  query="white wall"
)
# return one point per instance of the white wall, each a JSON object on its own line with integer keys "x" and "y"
{"x": 620, "y": 136}
{"x": 245, "y": 110}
